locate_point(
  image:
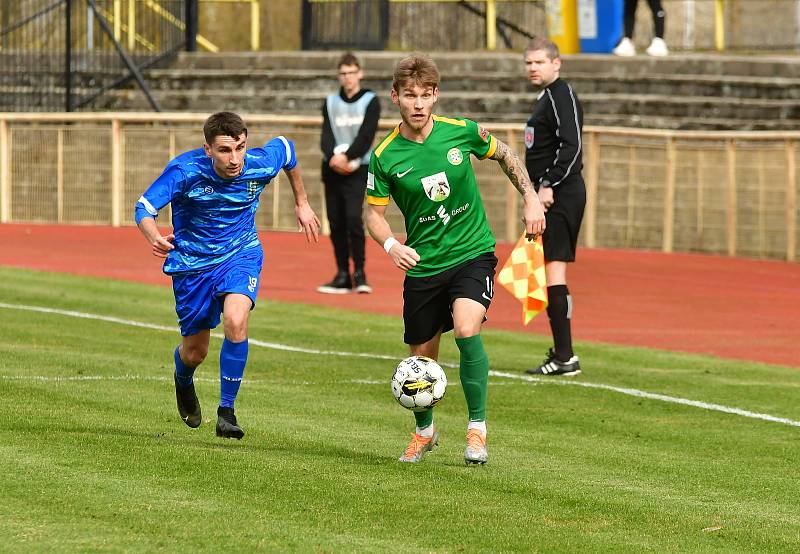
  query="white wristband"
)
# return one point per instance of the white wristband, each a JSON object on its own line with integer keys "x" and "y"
{"x": 391, "y": 241}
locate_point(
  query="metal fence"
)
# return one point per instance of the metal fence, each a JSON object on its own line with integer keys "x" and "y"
{"x": 729, "y": 193}
{"x": 58, "y": 55}
{"x": 691, "y": 25}
{"x": 421, "y": 24}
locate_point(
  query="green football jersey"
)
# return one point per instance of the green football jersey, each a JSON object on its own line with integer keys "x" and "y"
{"x": 434, "y": 186}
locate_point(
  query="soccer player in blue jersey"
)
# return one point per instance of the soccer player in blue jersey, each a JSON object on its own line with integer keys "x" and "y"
{"x": 213, "y": 254}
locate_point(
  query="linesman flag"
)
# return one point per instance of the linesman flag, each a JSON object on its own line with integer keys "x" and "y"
{"x": 524, "y": 277}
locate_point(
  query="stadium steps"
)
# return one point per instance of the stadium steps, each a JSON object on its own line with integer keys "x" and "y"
{"x": 640, "y": 110}
{"x": 683, "y": 91}
{"x": 775, "y": 88}
{"x": 509, "y": 64}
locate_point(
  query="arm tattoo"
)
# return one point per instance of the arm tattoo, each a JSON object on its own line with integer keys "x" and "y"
{"x": 512, "y": 166}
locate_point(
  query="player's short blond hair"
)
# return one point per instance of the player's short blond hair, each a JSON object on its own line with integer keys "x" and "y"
{"x": 416, "y": 69}
{"x": 541, "y": 43}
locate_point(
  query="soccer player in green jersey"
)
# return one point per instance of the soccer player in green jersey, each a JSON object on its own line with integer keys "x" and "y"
{"x": 448, "y": 256}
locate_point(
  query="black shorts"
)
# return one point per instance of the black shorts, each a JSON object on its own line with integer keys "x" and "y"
{"x": 428, "y": 301}
{"x": 560, "y": 239}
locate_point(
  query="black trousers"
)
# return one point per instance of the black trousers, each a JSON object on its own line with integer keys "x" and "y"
{"x": 658, "y": 17}
{"x": 344, "y": 198}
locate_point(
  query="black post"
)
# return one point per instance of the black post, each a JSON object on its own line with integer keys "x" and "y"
{"x": 191, "y": 25}
{"x": 307, "y": 30}
{"x": 68, "y": 56}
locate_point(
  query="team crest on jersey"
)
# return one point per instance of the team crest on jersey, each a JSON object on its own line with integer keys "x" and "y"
{"x": 252, "y": 187}
{"x": 528, "y": 137}
{"x": 454, "y": 156}
{"x": 436, "y": 186}
{"x": 483, "y": 133}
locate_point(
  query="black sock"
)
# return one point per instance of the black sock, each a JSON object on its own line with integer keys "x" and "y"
{"x": 559, "y": 310}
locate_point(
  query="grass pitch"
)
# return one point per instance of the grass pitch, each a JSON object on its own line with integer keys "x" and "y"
{"x": 93, "y": 455}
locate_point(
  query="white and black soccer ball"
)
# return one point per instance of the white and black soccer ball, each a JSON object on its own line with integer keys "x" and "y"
{"x": 418, "y": 383}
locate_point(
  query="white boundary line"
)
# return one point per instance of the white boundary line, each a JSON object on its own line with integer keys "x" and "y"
{"x": 288, "y": 348}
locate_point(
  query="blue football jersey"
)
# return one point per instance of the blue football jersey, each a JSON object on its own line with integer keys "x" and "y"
{"x": 213, "y": 218}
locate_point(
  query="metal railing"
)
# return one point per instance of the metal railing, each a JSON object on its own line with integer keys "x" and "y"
{"x": 420, "y": 24}
{"x": 731, "y": 193}
{"x": 155, "y": 7}
{"x": 63, "y": 54}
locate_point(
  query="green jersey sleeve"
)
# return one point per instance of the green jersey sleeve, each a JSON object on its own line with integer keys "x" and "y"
{"x": 378, "y": 187}
{"x": 479, "y": 140}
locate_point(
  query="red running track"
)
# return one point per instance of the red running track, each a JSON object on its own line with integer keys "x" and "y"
{"x": 728, "y": 307}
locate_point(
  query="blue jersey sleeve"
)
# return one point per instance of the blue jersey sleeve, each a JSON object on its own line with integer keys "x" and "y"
{"x": 160, "y": 193}
{"x": 284, "y": 150}
{"x": 275, "y": 155}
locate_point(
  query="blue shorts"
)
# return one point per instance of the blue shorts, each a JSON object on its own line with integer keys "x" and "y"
{"x": 199, "y": 296}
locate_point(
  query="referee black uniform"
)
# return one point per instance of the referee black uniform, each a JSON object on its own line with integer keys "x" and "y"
{"x": 553, "y": 157}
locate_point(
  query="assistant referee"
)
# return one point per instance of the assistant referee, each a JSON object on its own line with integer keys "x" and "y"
{"x": 553, "y": 158}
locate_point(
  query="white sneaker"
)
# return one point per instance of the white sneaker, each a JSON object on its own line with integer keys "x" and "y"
{"x": 657, "y": 48}
{"x": 625, "y": 48}
{"x": 476, "y": 452}
{"x": 418, "y": 446}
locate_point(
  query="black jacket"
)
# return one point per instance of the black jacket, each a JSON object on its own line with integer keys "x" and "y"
{"x": 553, "y": 145}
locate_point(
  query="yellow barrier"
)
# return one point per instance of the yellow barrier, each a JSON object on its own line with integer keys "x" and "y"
{"x": 562, "y": 25}
{"x": 719, "y": 25}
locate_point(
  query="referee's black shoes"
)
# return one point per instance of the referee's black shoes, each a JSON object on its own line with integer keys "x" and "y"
{"x": 553, "y": 366}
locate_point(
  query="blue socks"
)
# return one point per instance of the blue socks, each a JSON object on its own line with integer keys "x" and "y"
{"x": 183, "y": 373}
{"x": 232, "y": 359}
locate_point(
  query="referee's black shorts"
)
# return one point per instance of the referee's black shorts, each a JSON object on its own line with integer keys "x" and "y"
{"x": 560, "y": 239}
{"x": 428, "y": 301}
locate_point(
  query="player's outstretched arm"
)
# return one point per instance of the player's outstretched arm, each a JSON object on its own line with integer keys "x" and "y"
{"x": 533, "y": 213}
{"x": 308, "y": 220}
{"x": 403, "y": 256}
{"x": 162, "y": 245}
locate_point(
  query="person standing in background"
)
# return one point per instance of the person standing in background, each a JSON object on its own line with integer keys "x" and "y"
{"x": 554, "y": 159}
{"x": 349, "y": 121}
{"x": 657, "y": 46}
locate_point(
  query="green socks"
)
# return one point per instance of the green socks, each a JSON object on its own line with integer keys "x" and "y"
{"x": 424, "y": 419}
{"x": 474, "y": 372}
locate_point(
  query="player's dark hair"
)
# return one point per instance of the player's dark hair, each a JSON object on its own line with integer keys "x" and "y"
{"x": 226, "y": 124}
{"x": 541, "y": 43}
{"x": 416, "y": 69}
{"x": 348, "y": 58}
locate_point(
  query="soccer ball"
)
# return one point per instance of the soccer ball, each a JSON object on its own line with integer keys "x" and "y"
{"x": 418, "y": 383}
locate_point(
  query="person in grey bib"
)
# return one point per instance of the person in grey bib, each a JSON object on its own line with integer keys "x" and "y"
{"x": 349, "y": 121}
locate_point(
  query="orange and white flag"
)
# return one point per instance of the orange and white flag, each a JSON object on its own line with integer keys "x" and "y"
{"x": 524, "y": 277}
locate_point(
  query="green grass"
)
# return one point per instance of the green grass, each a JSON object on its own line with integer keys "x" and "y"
{"x": 98, "y": 460}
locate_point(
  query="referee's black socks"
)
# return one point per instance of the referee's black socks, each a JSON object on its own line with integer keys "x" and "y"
{"x": 559, "y": 310}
